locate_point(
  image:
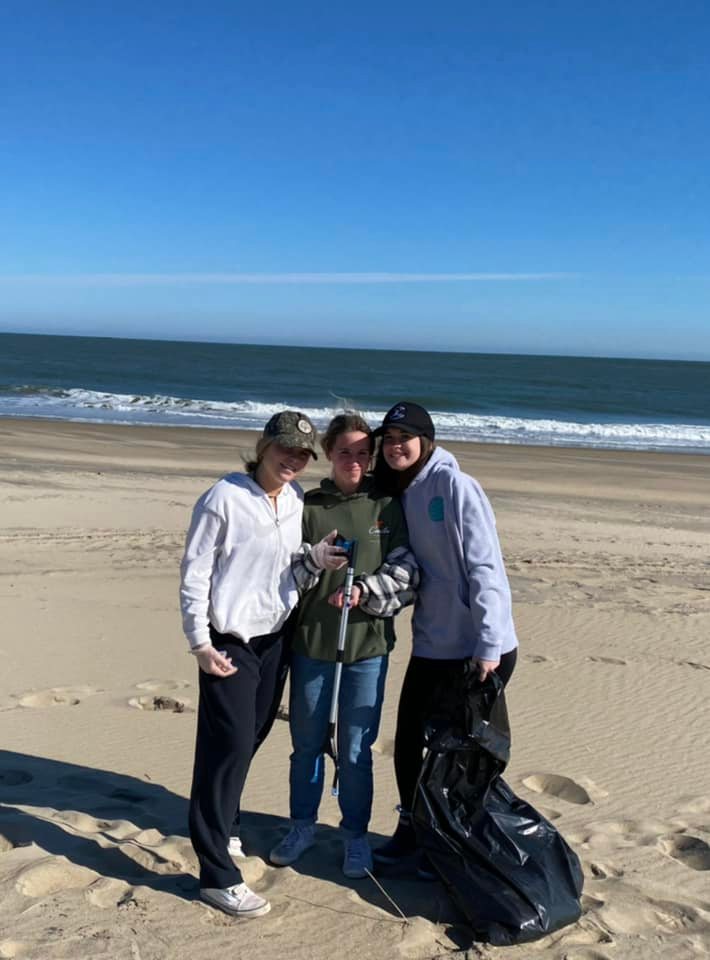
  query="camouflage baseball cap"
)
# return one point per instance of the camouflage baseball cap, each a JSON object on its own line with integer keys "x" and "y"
{"x": 291, "y": 428}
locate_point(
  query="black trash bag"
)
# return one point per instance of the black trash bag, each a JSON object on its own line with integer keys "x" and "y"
{"x": 505, "y": 866}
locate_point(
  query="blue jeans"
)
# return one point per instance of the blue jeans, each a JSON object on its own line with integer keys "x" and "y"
{"x": 362, "y": 689}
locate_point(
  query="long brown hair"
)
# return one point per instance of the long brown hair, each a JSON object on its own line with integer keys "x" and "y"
{"x": 395, "y": 482}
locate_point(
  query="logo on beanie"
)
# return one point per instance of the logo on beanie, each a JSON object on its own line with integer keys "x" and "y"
{"x": 399, "y": 412}
{"x": 304, "y": 426}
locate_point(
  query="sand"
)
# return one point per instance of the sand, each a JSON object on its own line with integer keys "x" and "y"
{"x": 608, "y": 558}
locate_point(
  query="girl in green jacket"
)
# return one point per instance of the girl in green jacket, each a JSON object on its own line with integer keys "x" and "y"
{"x": 386, "y": 577}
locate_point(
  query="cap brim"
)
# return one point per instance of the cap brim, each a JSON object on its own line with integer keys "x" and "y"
{"x": 288, "y": 443}
{"x": 405, "y": 427}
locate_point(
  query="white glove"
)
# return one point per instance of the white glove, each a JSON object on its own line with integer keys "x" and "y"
{"x": 326, "y": 556}
{"x": 214, "y": 661}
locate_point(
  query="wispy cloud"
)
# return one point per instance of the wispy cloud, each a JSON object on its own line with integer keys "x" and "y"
{"x": 234, "y": 279}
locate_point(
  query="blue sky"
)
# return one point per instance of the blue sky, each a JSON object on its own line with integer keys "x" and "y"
{"x": 484, "y": 176}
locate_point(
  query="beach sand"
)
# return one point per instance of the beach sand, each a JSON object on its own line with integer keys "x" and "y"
{"x": 607, "y": 554}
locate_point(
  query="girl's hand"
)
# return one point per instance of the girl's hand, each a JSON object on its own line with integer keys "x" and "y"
{"x": 484, "y": 667}
{"x": 337, "y": 598}
{"x": 215, "y": 662}
{"x": 326, "y": 556}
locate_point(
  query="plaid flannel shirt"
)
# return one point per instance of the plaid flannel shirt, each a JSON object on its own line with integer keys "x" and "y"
{"x": 383, "y": 593}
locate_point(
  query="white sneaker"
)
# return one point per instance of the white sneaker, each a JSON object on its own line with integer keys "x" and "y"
{"x": 358, "y": 858}
{"x": 235, "y": 848}
{"x": 300, "y": 838}
{"x": 238, "y": 900}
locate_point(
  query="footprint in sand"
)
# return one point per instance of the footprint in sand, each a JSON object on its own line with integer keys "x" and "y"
{"x": 555, "y": 785}
{"x": 158, "y": 862}
{"x": 14, "y": 778}
{"x": 52, "y": 876}
{"x": 615, "y": 661}
{"x": 690, "y": 851}
{"x": 583, "y": 934}
{"x": 695, "y": 805}
{"x": 88, "y": 784}
{"x": 603, "y": 871}
{"x": 9, "y": 949}
{"x": 161, "y": 702}
{"x": 83, "y": 784}
{"x": 56, "y": 697}
{"x": 536, "y": 658}
{"x": 591, "y": 903}
{"x": 120, "y": 829}
{"x": 612, "y": 834}
{"x": 586, "y": 953}
{"x": 107, "y": 893}
{"x": 79, "y": 822}
{"x": 660, "y": 916}
{"x": 161, "y": 686}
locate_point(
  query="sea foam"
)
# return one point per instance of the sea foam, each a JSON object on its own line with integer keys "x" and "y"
{"x": 91, "y": 405}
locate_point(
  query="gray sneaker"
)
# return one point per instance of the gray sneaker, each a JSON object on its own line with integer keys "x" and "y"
{"x": 300, "y": 838}
{"x": 238, "y": 900}
{"x": 358, "y": 858}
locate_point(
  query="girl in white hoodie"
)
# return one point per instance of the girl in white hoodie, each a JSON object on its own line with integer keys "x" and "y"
{"x": 237, "y": 592}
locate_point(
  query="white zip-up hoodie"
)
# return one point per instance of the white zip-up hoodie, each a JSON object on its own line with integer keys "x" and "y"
{"x": 236, "y": 571}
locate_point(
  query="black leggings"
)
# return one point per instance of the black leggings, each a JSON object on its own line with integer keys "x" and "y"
{"x": 235, "y": 715}
{"x": 416, "y": 700}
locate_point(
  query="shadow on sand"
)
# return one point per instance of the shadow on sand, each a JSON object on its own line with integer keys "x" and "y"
{"x": 80, "y": 807}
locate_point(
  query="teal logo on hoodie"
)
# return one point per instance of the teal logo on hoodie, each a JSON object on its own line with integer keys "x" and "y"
{"x": 436, "y": 509}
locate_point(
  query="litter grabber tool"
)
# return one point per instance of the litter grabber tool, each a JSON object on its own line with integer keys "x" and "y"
{"x": 331, "y": 746}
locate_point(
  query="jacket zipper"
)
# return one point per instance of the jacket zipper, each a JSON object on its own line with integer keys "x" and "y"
{"x": 275, "y": 599}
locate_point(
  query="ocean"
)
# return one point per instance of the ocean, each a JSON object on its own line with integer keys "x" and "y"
{"x": 492, "y": 398}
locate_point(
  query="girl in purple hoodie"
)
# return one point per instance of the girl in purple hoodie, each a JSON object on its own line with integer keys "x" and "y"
{"x": 463, "y": 608}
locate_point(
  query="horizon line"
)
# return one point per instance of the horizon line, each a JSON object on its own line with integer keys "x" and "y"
{"x": 571, "y": 355}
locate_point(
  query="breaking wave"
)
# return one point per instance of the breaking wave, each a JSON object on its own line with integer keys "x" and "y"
{"x": 91, "y": 405}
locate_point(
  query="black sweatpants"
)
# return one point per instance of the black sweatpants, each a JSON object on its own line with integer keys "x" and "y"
{"x": 423, "y": 681}
{"x": 235, "y": 715}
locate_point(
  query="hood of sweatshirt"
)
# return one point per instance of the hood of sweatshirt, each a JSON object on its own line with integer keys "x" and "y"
{"x": 439, "y": 460}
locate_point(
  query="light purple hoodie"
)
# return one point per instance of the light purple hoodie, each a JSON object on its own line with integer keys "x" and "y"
{"x": 463, "y": 607}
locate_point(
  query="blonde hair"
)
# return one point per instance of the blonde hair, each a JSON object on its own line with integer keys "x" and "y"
{"x": 262, "y": 445}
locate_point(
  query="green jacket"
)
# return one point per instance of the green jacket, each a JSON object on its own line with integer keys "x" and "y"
{"x": 376, "y": 521}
